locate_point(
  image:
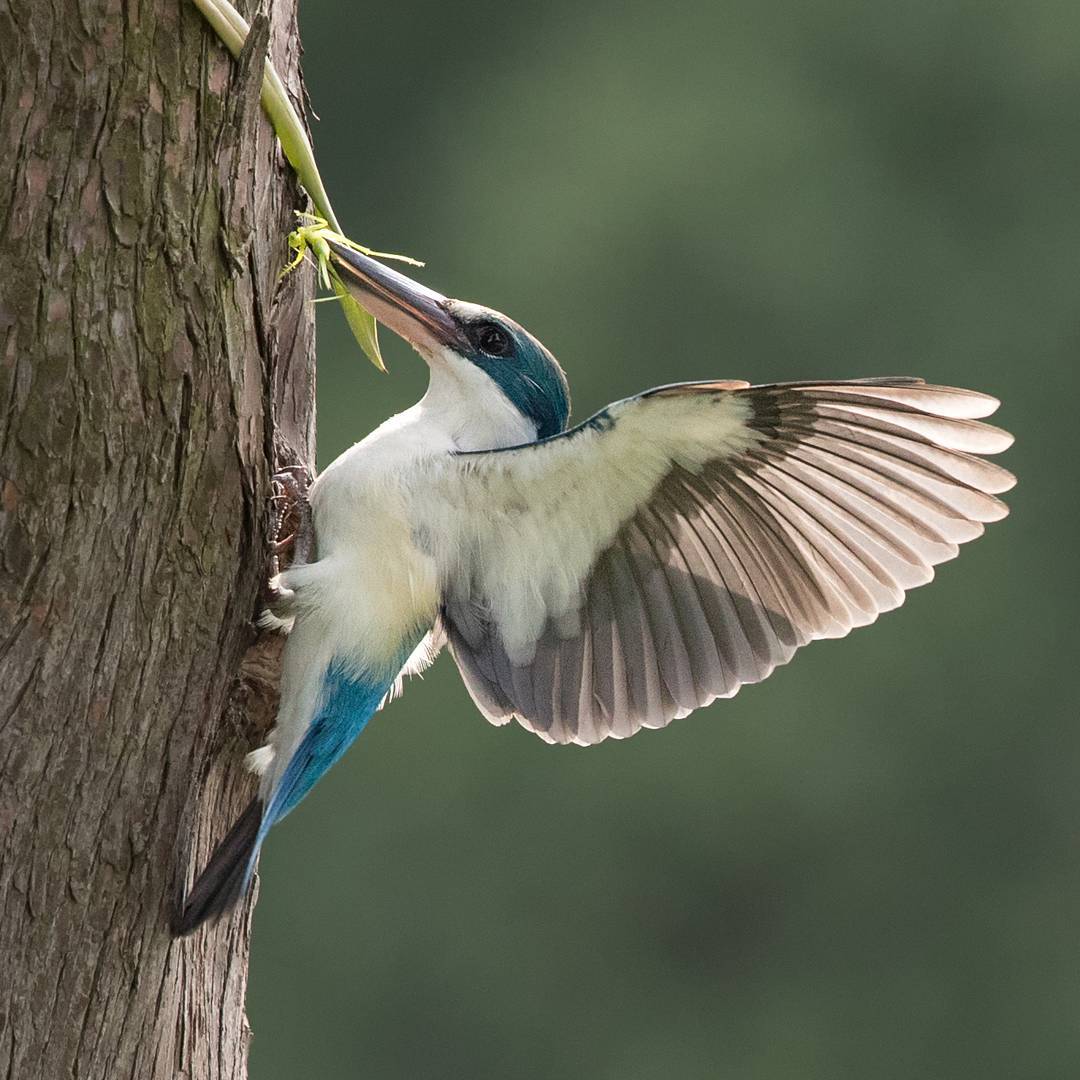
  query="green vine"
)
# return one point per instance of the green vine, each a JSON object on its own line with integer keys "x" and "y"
{"x": 310, "y": 237}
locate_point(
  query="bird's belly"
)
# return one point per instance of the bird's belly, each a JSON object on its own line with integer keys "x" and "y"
{"x": 376, "y": 591}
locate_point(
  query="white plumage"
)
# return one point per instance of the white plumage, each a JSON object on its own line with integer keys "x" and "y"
{"x": 376, "y": 578}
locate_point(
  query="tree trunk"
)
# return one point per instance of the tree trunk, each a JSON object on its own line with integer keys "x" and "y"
{"x": 152, "y": 374}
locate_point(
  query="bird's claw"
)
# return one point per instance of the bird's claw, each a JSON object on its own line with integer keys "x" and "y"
{"x": 291, "y": 508}
{"x": 291, "y": 532}
{"x": 279, "y": 547}
{"x": 293, "y": 474}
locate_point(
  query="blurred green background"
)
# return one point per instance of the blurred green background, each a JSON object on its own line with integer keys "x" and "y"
{"x": 866, "y": 866}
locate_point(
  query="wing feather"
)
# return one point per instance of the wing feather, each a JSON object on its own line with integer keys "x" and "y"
{"x": 684, "y": 543}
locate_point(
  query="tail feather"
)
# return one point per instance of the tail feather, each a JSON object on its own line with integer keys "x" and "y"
{"x": 227, "y": 874}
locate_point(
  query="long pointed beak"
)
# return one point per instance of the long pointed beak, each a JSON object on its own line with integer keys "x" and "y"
{"x": 418, "y": 314}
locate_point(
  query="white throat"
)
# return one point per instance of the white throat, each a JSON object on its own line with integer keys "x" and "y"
{"x": 469, "y": 406}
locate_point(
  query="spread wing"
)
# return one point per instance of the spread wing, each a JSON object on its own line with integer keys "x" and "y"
{"x": 687, "y": 541}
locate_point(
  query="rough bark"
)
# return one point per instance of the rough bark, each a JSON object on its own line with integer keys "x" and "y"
{"x": 152, "y": 374}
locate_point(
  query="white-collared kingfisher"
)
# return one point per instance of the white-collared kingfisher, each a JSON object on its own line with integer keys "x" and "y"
{"x": 593, "y": 581}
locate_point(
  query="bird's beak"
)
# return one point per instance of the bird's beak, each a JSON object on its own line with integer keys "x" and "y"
{"x": 418, "y": 314}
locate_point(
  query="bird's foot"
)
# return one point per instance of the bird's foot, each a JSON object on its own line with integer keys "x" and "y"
{"x": 292, "y": 538}
{"x": 291, "y": 532}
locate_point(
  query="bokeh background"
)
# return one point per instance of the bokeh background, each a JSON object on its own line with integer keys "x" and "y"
{"x": 867, "y": 866}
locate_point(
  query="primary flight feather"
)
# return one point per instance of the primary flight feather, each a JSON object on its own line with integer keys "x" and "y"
{"x": 595, "y": 581}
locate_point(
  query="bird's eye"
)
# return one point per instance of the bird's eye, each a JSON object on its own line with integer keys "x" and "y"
{"x": 492, "y": 339}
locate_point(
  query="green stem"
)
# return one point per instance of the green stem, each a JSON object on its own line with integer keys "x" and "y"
{"x": 232, "y": 28}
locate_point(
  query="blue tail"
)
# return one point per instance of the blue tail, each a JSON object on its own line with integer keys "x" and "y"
{"x": 347, "y": 705}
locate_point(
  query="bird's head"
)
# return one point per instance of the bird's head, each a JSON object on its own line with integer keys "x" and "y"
{"x": 465, "y": 338}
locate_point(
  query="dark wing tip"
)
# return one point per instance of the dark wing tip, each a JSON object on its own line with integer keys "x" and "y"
{"x": 226, "y": 876}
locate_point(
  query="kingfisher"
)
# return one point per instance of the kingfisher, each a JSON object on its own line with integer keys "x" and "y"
{"x": 591, "y": 581}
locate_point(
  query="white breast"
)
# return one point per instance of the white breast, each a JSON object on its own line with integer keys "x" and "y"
{"x": 371, "y": 585}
